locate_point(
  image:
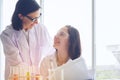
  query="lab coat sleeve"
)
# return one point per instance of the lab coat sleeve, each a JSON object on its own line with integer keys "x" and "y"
{"x": 48, "y": 63}
{"x": 10, "y": 50}
{"x": 44, "y": 68}
{"x": 46, "y": 42}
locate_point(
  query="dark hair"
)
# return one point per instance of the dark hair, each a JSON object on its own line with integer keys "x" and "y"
{"x": 23, "y": 7}
{"x": 74, "y": 48}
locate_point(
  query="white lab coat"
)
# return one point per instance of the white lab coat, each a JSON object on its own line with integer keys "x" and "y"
{"x": 72, "y": 70}
{"x": 20, "y": 51}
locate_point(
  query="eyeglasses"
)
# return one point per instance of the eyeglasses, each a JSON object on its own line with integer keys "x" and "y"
{"x": 33, "y": 19}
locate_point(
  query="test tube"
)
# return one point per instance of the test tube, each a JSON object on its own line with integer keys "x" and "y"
{"x": 11, "y": 73}
{"x": 32, "y": 76}
{"x": 62, "y": 74}
{"x": 15, "y": 77}
{"x": 21, "y": 73}
{"x": 28, "y": 76}
{"x": 15, "y": 73}
{"x": 32, "y": 73}
{"x": 49, "y": 74}
{"x": 37, "y": 77}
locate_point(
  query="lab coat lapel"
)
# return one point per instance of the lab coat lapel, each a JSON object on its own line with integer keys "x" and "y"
{"x": 23, "y": 41}
{"x": 33, "y": 46}
{"x": 23, "y": 47}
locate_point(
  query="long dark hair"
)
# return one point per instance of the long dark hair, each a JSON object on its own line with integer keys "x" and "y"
{"x": 23, "y": 7}
{"x": 74, "y": 48}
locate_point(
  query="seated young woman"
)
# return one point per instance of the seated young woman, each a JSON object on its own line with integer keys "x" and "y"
{"x": 66, "y": 58}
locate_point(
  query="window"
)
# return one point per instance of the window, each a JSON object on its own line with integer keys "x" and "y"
{"x": 78, "y": 13}
{"x": 107, "y": 39}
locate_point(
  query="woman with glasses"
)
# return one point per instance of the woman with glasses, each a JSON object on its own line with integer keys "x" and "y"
{"x": 25, "y": 41}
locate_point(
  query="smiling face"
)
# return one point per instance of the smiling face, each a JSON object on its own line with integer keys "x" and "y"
{"x": 61, "y": 39}
{"x": 29, "y": 20}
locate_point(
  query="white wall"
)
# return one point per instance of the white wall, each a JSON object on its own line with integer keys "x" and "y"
{"x": 6, "y": 11}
